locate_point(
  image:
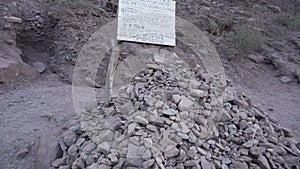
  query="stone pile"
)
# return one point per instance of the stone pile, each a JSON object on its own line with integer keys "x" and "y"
{"x": 171, "y": 116}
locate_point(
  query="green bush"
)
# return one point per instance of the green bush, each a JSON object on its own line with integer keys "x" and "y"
{"x": 247, "y": 40}
{"x": 289, "y": 21}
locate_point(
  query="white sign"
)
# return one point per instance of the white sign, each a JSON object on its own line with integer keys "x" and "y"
{"x": 147, "y": 21}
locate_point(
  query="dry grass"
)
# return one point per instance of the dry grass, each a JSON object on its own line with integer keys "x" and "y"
{"x": 289, "y": 21}
{"x": 247, "y": 40}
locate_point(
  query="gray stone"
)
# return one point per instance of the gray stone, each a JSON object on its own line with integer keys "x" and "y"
{"x": 169, "y": 112}
{"x": 180, "y": 166}
{"x": 176, "y": 99}
{"x": 198, "y": 93}
{"x": 89, "y": 147}
{"x": 207, "y": 106}
{"x": 104, "y": 147}
{"x": 58, "y": 162}
{"x": 183, "y": 136}
{"x": 291, "y": 160}
{"x": 141, "y": 120}
{"x": 69, "y": 137}
{"x": 250, "y": 143}
{"x": 285, "y": 79}
{"x": 226, "y": 161}
{"x": 103, "y": 166}
{"x": 159, "y": 162}
{"x": 62, "y": 145}
{"x": 80, "y": 141}
{"x": 136, "y": 162}
{"x": 148, "y": 163}
{"x": 147, "y": 154}
{"x": 66, "y": 167}
{"x": 48, "y": 150}
{"x": 232, "y": 129}
{"x": 244, "y": 151}
{"x": 199, "y": 119}
{"x": 12, "y": 19}
{"x": 204, "y": 163}
{"x": 40, "y": 67}
{"x": 133, "y": 151}
{"x": 105, "y": 135}
{"x": 72, "y": 151}
{"x": 23, "y": 153}
{"x": 226, "y": 117}
{"x": 238, "y": 165}
{"x": 256, "y": 151}
{"x": 156, "y": 120}
{"x": 183, "y": 85}
{"x": 90, "y": 160}
{"x": 78, "y": 163}
{"x": 263, "y": 162}
{"x": 190, "y": 163}
{"x": 151, "y": 128}
{"x": 120, "y": 163}
{"x": 93, "y": 166}
{"x": 184, "y": 114}
{"x": 148, "y": 142}
{"x": 275, "y": 9}
{"x": 185, "y": 104}
{"x": 184, "y": 128}
{"x": 171, "y": 152}
{"x": 131, "y": 128}
{"x": 197, "y": 166}
{"x": 113, "y": 158}
{"x": 182, "y": 156}
{"x": 201, "y": 151}
{"x": 256, "y": 58}
{"x": 192, "y": 152}
{"x": 105, "y": 161}
{"x": 9, "y": 41}
{"x": 192, "y": 137}
{"x": 204, "y": 132}
{"x": 204, "y": 10}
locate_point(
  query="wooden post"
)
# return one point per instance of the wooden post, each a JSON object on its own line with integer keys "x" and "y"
{"x": 111, "y": 70}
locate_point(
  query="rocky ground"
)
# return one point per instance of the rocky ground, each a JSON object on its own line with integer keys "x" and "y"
{"x": 258, "y": 43}
{"x": 170, "y": 116}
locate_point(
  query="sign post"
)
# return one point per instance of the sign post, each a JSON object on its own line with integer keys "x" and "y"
{"x": 142, "y": 21}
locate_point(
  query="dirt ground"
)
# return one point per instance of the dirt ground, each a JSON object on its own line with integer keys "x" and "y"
{"x": 30, "y": 110}
{"x": 26, "y": 113}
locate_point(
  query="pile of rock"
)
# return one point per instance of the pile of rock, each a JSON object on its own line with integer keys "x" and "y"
{"x": 171, "y": 116}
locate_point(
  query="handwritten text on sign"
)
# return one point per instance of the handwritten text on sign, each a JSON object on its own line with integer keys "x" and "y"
{"x": 147, "y": 21}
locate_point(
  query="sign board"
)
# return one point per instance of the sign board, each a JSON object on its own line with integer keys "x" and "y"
{"x": 147, "y": 21}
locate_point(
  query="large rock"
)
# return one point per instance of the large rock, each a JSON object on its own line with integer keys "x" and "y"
{"x": 12, "y": 66}
{"x": 185, "y": 104}
{"x": 48, "y": 151}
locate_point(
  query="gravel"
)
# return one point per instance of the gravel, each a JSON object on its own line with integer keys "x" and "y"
{"x": 172, "y": 122}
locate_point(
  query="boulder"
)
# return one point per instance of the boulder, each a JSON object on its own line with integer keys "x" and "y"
{"x": 48, "y": 150}
{"x": 12, "y": 67}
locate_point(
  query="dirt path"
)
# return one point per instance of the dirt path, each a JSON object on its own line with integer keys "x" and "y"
{"x": 262, "y": 83}
{"x": 28, "y": 112}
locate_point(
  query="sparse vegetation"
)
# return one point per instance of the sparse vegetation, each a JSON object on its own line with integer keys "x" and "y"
{"x": 289, "y": 21}
{"x": 247, "y": 40}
